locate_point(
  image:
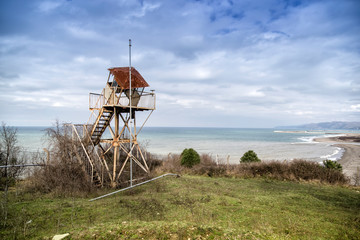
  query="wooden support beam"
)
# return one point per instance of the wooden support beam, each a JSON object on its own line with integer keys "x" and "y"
{"x": 116, "y": 145}
{"x": 127, "y": 125}
{"x": 133, "y": 157}
{"x": 142, "y": 156}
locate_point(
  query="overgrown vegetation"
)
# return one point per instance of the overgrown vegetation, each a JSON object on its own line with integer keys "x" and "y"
{"x": 67, "y": 167}
{"x": 249, "y": 156}
{"x": 189, "y": 157}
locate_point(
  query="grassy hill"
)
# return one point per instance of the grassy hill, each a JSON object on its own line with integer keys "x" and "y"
{"x": 194, "y": 207}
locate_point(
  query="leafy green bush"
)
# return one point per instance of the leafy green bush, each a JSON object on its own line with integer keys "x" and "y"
{"x": 249, "y": 156}
{"x": 189, "y": 157}
{"x": 332, "y": 165}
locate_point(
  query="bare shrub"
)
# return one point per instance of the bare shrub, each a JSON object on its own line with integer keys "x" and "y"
{"x": 356, "y": 177}
{"x": 273, "y": 169}
{"x": 62, "y": 178}
{"x": 305, "y": 170}
{"x": 172, "y": 163}
{"x": 207, "y": 159}
{"x": 64, "y": 174}
{"x": 153, "y": 162}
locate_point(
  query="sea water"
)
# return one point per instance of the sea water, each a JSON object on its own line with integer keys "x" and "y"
{"x": 32, "y": 139}
{"x": 221, "y": 143}
{"x": 269, "y": 144}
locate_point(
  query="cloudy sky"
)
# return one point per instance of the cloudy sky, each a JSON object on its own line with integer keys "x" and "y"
{"x": 212, "y": 63}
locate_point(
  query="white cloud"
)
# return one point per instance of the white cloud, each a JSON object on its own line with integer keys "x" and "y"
{"x": 57, "y": 104}
{"x": 81, "y": 32}
{"x": 355, "y": 108}
{"x": 293, "y": 63}
{"x": 146, "y": 7}
{"x": 91, "y": 60}
{"x": 48, "y": 6}
{"x": 256, "y": 93}
{"x": 301, "y": 113}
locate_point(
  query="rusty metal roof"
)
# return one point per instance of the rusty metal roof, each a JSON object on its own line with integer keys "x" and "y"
{"x": 121, "y": 76}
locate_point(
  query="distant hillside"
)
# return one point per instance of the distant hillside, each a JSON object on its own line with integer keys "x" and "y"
{"x": 326, "y": 126}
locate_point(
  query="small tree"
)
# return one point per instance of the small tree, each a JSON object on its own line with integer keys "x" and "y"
{"x": 332, "y": 165}
{"x": 249, "y": 156}
{"x": 10, "y": 154}
{"x": 189, "y": 157}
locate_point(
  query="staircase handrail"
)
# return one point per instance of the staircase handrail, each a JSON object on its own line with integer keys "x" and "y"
{"x": 82, "y": 145}
{"x": 97, "y": 154}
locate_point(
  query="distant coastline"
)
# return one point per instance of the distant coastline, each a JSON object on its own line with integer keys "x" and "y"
{"x": 335, "y": 125}
{"x": 306, "y": 131}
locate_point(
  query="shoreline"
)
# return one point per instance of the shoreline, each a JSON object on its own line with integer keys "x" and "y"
{"x": 350, "y": 160}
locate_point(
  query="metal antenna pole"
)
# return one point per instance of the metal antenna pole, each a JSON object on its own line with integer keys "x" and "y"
{"x": 130, "y": 152}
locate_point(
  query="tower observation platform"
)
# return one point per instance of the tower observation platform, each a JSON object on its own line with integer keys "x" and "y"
{"x": 117, "y": 92}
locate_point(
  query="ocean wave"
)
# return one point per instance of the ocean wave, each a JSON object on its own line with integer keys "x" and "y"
{"x": 311, "y": 139}
{"x": 336, "y": 155}
{"x": 307, "y": 139}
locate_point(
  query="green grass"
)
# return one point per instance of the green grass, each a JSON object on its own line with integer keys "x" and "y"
{"x": 194, "y": 207}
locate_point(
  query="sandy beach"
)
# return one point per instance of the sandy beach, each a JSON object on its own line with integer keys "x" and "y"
{"x": 350, "y": 160}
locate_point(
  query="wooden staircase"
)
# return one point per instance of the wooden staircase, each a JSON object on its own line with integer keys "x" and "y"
{"x": 97, "y": 181}
{"x": 103, "y": 120}
{"x": 91, "y": 167}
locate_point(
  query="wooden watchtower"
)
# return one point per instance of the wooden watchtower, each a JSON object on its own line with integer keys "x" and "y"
{"x": 115, "y": 109}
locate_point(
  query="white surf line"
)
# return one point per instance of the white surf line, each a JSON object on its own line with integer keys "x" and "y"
{"x": 336, "y": 155}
